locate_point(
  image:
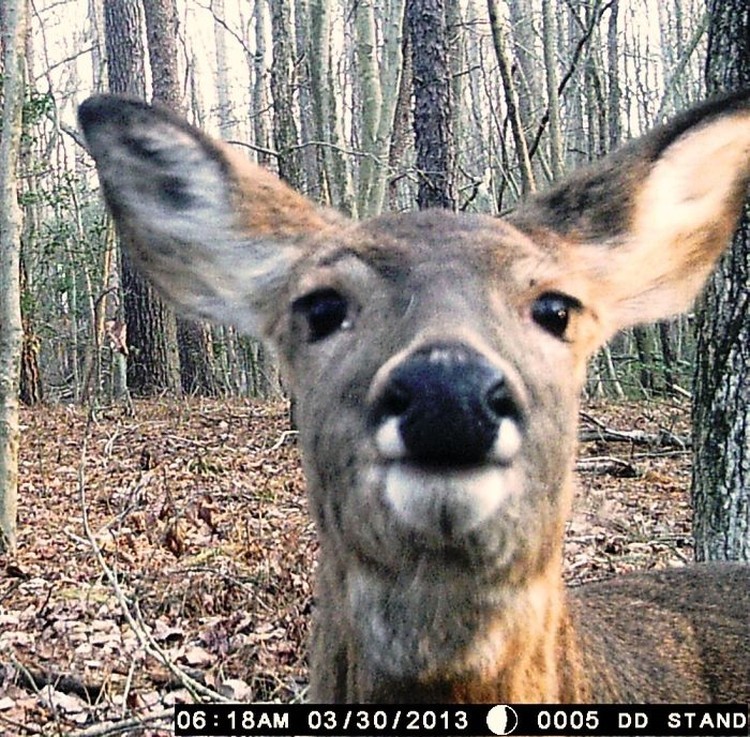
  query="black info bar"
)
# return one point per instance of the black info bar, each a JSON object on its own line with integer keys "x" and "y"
{"x": 686, "y": 720}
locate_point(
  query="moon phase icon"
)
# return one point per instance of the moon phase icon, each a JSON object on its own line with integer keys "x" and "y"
{"x": 502, "y": 719}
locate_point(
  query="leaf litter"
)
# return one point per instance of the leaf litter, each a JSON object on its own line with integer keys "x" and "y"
{"x": 193, "y": 575}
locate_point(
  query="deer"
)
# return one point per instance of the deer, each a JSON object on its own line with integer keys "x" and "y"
{"x": 437, "y": 361}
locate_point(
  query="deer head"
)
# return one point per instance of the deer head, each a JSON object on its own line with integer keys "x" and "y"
{"x": 436, "y": 358}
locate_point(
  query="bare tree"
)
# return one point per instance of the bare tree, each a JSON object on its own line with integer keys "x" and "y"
{"x": 31, "y": 388}
{"x": 379, "y": 75}
{"x": 402, "y": 134}
{"x": 499, "y": 27}
{"x": 721, "y": 409}
{"x": 428, "y": 28}
{"x": 285, "y": 129}
{"x": 549, "y": 38}
{"x": 371, "y": 94}
{"x": 260, "y": 92}
{"x": 151, "y": 331}
{"x": 193, "y": 338}
{"x": 338, "y": 184}
{"x": 225, "y": 107}
{"x": 13, "y": 17}
{"x": 526, "y": 60}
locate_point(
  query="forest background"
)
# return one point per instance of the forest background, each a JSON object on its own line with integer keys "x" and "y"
{"x": 322, "y": 92}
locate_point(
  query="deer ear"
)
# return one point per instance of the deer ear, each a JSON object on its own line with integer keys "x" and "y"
{"x": 646, "y": 225}
{"x": 216, "y": 233}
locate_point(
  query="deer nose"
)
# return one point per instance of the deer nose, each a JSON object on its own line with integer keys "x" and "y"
{"x": 445, "y": 404}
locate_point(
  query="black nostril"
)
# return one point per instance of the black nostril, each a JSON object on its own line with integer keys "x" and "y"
{"x": 395, "y": 400}
{"x": 500, "y": 401}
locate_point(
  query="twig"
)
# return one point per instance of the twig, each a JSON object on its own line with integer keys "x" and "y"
{"x": 28, "y": 728}
{"x": 607, "y": 465}
{"x": 126, "y": 690}
{"x": 123, "y": 726}
{"x": 662, "y": 438}
{"x": 284, "y": 437}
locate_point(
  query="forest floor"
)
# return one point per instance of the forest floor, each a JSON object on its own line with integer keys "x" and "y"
{"x": 172, "y": 550}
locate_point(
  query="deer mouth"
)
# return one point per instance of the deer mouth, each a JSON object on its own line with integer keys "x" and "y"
{"x": 446, "y": 504}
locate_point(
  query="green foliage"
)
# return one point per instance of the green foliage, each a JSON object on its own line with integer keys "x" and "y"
{"x": 37, "y": 106}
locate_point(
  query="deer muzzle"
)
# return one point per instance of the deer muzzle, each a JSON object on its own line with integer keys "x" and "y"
{"x": 448, "y": 428}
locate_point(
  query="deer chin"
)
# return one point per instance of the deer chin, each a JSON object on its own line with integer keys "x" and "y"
{"x": 445, "y": 505}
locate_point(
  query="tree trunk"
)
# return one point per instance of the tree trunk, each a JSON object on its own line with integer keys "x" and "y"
{"x": 310, "y": 156}
{"x": 433, "y": 132}
{"x": 378, "y": 74}
{"x": 669, "y": 358}
{"x": 403, "y": 131}
{"x": 498, "y": 26}
{"x": 721, "y": 409}
{"x": 126, "y": 61}
{"x": 13, "y": 19}
{"x": 550, "y": 40}
{"x": 371, "y": 95}
{"x": 259, "y": 91}
{"x": 96, "y": 21}
{"x": 225, "y": 107}
{"x": 31, "y": 390}
{"x": 153, "y": 364}
{"x": 284, "y": 123}
{"x": 613, "y": 74}
{"x": 526, "y": 60}
{"x": 641, "y": 337}
{"x": 193, "y": 338}
{"x": 338, "y": 185}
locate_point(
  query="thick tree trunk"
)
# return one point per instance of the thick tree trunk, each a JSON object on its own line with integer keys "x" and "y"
{"x": 721, "y": 410}
{"x": 12, "y": 32}
{"x": 152, "y": 337}
{"x": 285, "y": 132}
{"x": 193, "y": 338}
{"x": 126, "y": 57}
{"x": 433, "y": 134}
{"x": 153, "y": 361}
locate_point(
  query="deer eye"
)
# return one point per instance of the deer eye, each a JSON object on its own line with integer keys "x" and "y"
{"x": 552, "y": 312}
{"x": 325, "y": 312}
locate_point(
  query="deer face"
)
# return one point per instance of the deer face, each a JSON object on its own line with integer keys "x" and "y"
{"x": 425, "y": 353}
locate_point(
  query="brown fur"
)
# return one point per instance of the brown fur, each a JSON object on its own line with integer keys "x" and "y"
{"x": 447, "y": 587}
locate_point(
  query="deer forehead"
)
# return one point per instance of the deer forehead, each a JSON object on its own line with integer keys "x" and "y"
{"x": 435, "y": 254}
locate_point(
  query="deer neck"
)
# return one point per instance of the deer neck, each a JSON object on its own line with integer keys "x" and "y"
{"x": 520, "y": 648}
